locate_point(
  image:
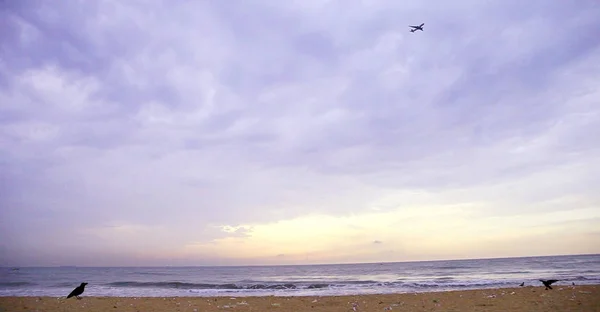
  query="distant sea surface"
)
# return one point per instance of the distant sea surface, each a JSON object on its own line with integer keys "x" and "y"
{"x": 299, "y": 280}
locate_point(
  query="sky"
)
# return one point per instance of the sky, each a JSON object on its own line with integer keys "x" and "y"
{"x": 152, "y": 132}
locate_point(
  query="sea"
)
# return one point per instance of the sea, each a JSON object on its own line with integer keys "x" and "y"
{"x": 301, "y": 280}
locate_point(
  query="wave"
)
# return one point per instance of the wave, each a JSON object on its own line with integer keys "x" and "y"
{"x": 64, "y": 284}
{"x": 152, "y": 273}
{"x": 512, "y": 272}
{"x": 458, "y": 284}
{"x": 184, "y": 285}
{"x": 452, "y": 267}
{"x": 581, "y": 278}
{"x": 233, "y": 286}
{"x": 307, "y": 286}
{"x": 16, "y": 284}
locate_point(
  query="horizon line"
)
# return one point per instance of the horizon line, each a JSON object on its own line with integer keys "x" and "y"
{"x": 315, "y": 264}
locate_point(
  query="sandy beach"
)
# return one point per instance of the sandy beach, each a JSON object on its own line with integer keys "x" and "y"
{"x": 561, "y": 298}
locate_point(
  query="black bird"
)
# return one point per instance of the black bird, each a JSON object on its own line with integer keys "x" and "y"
{"x": 522, "y": 284}
{"x": 77, "y": 291}
{"x": 547, "y": 283}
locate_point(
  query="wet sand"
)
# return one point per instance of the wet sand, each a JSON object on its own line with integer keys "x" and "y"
{"x": 526, "y": 299}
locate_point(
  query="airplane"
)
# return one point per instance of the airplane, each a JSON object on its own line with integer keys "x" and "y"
{"x": 415, "y": 28}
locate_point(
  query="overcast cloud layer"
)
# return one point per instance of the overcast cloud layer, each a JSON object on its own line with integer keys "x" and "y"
{"x": 174, "y": 132}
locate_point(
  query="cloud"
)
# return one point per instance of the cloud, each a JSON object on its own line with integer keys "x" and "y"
{"x": 237, "y": 231}
{"x": 198, "y": 125}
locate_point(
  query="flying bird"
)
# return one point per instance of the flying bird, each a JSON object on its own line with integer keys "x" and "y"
{"x": 415, "y": 28}
{"x": 77, "y": 291}
{"x": 547, "y": 283}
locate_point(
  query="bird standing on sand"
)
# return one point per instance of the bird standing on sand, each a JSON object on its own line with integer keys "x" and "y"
{"x": 77, "y": 291}
{"x": 547, "y": 283}
{"x": 522, "y": 284}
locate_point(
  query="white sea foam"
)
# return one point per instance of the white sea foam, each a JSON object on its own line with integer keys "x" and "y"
{"x": 314, "y": 280}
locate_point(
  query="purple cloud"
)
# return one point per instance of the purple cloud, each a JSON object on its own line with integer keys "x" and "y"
{"x": 187, "y": 115}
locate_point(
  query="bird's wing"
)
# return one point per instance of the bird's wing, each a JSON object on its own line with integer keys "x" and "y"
{"x": 74, "y": 292}
{"x": 552, "y": 281}
{"x": 413, "y": 26}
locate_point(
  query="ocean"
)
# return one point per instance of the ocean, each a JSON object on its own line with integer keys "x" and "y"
{"x": 301, "y": 280}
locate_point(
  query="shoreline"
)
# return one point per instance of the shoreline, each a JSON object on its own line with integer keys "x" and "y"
{"x": 126, "y": 293}
{"x": 528, "y": 298}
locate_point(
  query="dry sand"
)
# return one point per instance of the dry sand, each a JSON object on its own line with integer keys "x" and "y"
{"x": 561, "y": 298}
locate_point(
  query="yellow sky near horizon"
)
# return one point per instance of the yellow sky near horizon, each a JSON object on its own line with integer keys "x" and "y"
{"x": 407, "y": 234}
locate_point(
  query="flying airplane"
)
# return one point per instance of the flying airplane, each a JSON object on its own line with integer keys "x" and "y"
{"x": 415, "y": 28}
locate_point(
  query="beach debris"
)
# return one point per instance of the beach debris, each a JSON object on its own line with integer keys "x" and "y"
{"x": 512, "y": 293}
{"x": 387, "y": 309}
{"x": 275, "y": 304}
{"x": 585, "y": 292}
{"x": 491, "y": 296}
{"x": 314, "y": 301}
{"x": 354, "y": 306}
{"x": 242, "y": 303}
